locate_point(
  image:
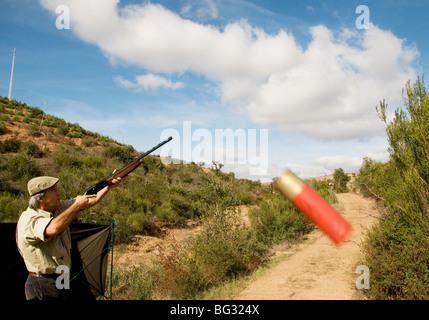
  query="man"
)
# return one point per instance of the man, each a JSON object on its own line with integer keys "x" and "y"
{"x": 43, "y": 235}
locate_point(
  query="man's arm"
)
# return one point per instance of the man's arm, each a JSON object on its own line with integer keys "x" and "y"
{"x": 100, "y": 194}
{"x": 63, "y": 220}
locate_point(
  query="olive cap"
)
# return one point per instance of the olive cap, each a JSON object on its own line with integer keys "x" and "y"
{"x": 39, "y": 184}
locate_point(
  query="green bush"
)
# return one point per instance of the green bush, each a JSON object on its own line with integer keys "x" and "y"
{"x": 31, "y": 149}
{"x": 68, "y": 160}
{"x": 340, "y": 181}
{"x": 137, "y": 222}
{"x": 323, "y": 189}
{"x": 3, "y": 128}
{"x": 165, "y": 212}
{"x": 397, "y": 251}
{"x": 375, "y": 179}
{"x": 35, "y": 113}
{"x": 12, "y": 145}
{"x": 222, "y": 250}
{"x": 63, "y": 130}
{"x": 138, "y": 282}
{"x": 16, "y": 171}
{"x": 278, "y": 220}
{"x": 213, "y": 193}
{"x": 123, "y": 154}
{"x": 35, "y": 130}
{"x": 11, "y": 207}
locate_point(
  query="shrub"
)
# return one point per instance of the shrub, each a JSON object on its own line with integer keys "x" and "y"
{"x": 223, "y": 249}
{"x": 123, "y": 154}
{"x": 63, "y": 129}
{"x": 31, "y": 149}
{"x": 165, "y": 212}
{"x": 340, "y": 181}
{"x": 397, "y": 251}
{"x": 375, "y": 179}
{"x": 12, "y": 145}
{"x": 323, "y": 189}
{"x": 19, "y": 168}
{"x": 137, "y": 222}
{"x": 10, "y": 207}
{"x": 3, "y": 128}
{"x": 278, "y": 220}
{"x": 153, "y": 164}
{"x": 213, "y": 193}
{"x": 35, "y": 112}
{"x": 68, "y": 160}
{"x": 397, "y": 254}
{"x": 139, "y": 282}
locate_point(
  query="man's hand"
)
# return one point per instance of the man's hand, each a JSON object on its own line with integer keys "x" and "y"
{"x": 84, "y": 202}
{"x": 96, "y": 198}
{"x": 115, "y": 182}
{"x": 62, "y": 221}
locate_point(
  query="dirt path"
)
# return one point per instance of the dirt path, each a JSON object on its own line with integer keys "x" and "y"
{"x": 316, "y": 269}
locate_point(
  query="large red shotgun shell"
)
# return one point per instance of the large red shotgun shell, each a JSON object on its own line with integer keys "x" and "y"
{"x": 310, "y": 203}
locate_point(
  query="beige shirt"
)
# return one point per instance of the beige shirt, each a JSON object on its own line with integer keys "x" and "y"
{"x": 43, "y": 254}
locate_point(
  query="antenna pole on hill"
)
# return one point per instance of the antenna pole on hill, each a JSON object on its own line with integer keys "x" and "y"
{"x": 11, "y": 75}
{"x": 43, "y": 115}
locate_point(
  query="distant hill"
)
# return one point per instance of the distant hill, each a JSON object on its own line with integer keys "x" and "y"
{"x": 23, "y": 122}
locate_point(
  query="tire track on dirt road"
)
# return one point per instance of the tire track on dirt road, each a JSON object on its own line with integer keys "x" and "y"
{"x": 317, "y": 269}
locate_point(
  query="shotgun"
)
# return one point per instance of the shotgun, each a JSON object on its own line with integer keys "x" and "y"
{"x": 123, "y": 172}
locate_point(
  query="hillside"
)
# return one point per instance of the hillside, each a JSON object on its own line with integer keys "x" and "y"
{"x": 20, "y": 121}
{"x": 33, "y": 143}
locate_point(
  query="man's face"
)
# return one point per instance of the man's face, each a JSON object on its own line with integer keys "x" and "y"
{"x": 51, "y": 200}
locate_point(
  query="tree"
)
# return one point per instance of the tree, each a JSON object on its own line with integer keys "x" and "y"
{"x": 397, "y": 251}
{"x": 408, "y": 136}
{"x": 340, "y": 181}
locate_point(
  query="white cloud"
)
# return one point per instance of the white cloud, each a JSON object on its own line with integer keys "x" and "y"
{"x": 202, "y": 9}
{"x": 148, "y": 82}
{"x": 332, "y": 92}
{"x": 330, "y": 163}
{"x": 186, "y": 9}
{"x": 153, "y": 82}
{"x": 309, "y": 8}
{"x": 305, "y": 171}
{"x": 123, "y": 82}
{"x": 328, "y": 90}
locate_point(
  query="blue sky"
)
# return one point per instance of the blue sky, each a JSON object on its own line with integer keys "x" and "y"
{"x": 302, "y": 71}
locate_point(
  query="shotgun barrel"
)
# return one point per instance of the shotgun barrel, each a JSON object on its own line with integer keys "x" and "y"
{"x": 122, "y": 172}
